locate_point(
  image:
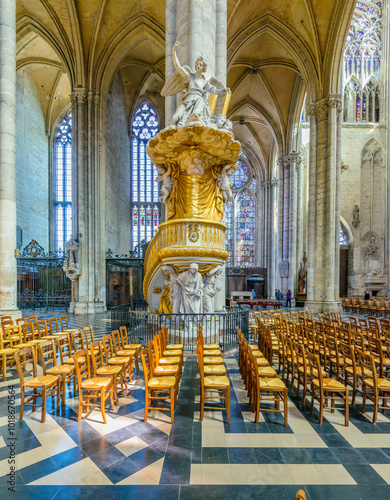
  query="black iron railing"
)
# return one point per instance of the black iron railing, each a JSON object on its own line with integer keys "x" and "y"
{"x": 218, "y": 328}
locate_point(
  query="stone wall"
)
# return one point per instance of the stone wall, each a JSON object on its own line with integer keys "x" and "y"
{"x": 363, "y": 183}
{"x": 32, "y": 173}
{"x": 117, "y": 171}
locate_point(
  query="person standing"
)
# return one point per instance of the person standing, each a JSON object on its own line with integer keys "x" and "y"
{"x": 366, "y": 295}
{"x": 288, "y": 299}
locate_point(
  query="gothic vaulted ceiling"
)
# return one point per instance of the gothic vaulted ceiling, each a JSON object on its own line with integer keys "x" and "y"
{"x": 278, "y": 50}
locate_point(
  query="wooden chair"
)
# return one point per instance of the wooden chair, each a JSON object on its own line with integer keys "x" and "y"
{"x": 88, "y": 337}
{"x": 91, "y": 388}
{"x": 267, "y": 389}
{"x": 14, "y": 337}
{"x": 64, "y": 347}
{"x": 33, "y": 319}
{"x": 157, "y": 370}
{"x": 76, "y": 338}
{"x": 382, "y": 362}
{"x": 217, "y": 386}
{"x": 157, "y": 389}
{"x": 6, "y": 355}
{"x": 324, "y": 387}
{"x": 374, "y": 387}
{"x": 41, "y": 387}
{"x": 100, "y": 370}
{"x": 66, "y": 373}
{"x": 21, "y": 321}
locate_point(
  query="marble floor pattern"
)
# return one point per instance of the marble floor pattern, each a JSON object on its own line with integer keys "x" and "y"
{"x": 64, "y": 459}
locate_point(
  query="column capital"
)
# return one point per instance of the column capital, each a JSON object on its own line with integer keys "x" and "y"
{"x": 320, "y": 108}
{"x": 266, "y": 184}
{"x": 295, "y": 159}
{"x": 334, "y": 101}
{"x": 284, "y": 162}
{"x": 78, "y": 95}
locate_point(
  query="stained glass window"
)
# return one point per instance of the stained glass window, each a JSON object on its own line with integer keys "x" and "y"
{"x": 362, "y": 58}
{"x": 245, "y": 230}
{"x": 63, "y": 183}
{"x": 144, "y": 188}
{"x": 343, "y": 236}
{"x": 240, "y": 217}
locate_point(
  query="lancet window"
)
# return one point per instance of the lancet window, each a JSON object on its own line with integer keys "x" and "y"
{"x": 144, "y": 188}
{"x": 63, "y": 183}
{"x": 362, "y": 64}
{"x": 240, "y": 217}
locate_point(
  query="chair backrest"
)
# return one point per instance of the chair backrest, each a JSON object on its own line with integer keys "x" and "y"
{"x": 152, "y": 358}
{"x": 367, "y": 364}
{"x": 373, "y": 323}
{"x": 14, "y": 335}
{"x": 64, "y": 324}
{"x": 28, "y": 331}
{"x": 300, "y": 355}
{"x": 116, "y": 340}
{"x": 33, "y": 319}
{"x": 88, "y": 336}
{"x": 64, "y": 346}
{"x": 347, "y": 351}
{"x": 385, "y": 325}
{"x": 199, "y": 356}
{"x": 41, "y": 327}
{"x": 96, "y": 351}
{"x": 21, "y": 321}
{"x": 353, "y": 320}
{"x": 294, "y": 316}
{"x": 81, "y": 363}
{"x": 145, "y": 366}
{"x": 47, "y": 354}
{"x": 309, "y": 314}
{"x": 315, "y": 367}
{"x": 26, "y": 363}
{"x": 363, "y": 323}
{"x": 6, "y": 321}
{"x": 76, "y": 337}
{"x": 124, "y": 336}
{"x": 107, "y": 347}
{"x": 53, "y": 326}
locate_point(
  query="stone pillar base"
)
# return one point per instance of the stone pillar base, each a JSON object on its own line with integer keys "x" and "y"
{"x": 14, "y": 313}
{"x": 89, "y": 307}
{"x": 322, "y": 306}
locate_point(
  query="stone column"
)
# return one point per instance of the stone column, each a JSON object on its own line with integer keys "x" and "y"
{"x": 284, "y": 218}
{"x": 272, "y": 273}
{"x": 8, "y": 264}
{"x": 295, "y": 161}
{"x": 324, "y": 209}
{"x": 88, "y": 289}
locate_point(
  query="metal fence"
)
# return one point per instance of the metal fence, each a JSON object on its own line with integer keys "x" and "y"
{"x": 218, "y": 328}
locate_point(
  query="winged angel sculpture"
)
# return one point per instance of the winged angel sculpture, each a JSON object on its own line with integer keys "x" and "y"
{"x": 196, "y": 90}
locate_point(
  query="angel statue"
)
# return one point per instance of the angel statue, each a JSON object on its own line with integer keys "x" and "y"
{"x": 196, "y": 90}
{"x": 224, "y": 182}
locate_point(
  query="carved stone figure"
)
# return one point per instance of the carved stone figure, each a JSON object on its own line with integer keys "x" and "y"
{"x": 71, "y": 263}
{"x": 302, "y": 275}
{"x": 196, "y": 90}
{"x": 224, "y": 182}
{"x": 221, "y": 122}
{"x": 175, "y": 291}
{"x": 210, "y": 289}
{"x": 372, "y": 247}
{"x": 192, "y": 290}
{"x": 355, "y": 216}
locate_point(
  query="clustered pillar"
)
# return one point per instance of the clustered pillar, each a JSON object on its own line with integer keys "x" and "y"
{"x": 8, "y": 264}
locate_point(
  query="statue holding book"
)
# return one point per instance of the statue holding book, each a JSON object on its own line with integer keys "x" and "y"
{"x": 195, "y": 107}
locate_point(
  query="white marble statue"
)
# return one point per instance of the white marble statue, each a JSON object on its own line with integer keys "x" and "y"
{"x": 196, "y": 89}
{"x": 210, "y": 289}
{"x": 224, "y": 183}
{"x": 175, "y": 289}
{"x": 192, "y": 290}
{"x": 167, "y": 182}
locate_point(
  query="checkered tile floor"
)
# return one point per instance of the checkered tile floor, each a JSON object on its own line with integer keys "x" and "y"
{"x": 62, "y": 459}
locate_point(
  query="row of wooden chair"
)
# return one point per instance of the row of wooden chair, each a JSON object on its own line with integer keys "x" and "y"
{"x": 162, "y": 365}
{"x": 214, "y": 383}
{"x": 84, "y": 364}
{"x": 260, "y": 378}
{"x": 379, "y": 306}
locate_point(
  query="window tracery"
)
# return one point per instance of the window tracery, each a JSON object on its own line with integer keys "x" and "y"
{"x": 63, "y": 183}
{"x": 362, "y": 61}
{"x": 144, "y": 188}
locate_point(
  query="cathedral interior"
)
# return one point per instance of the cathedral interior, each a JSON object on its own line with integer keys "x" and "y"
{"x": 308, "y": 214}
